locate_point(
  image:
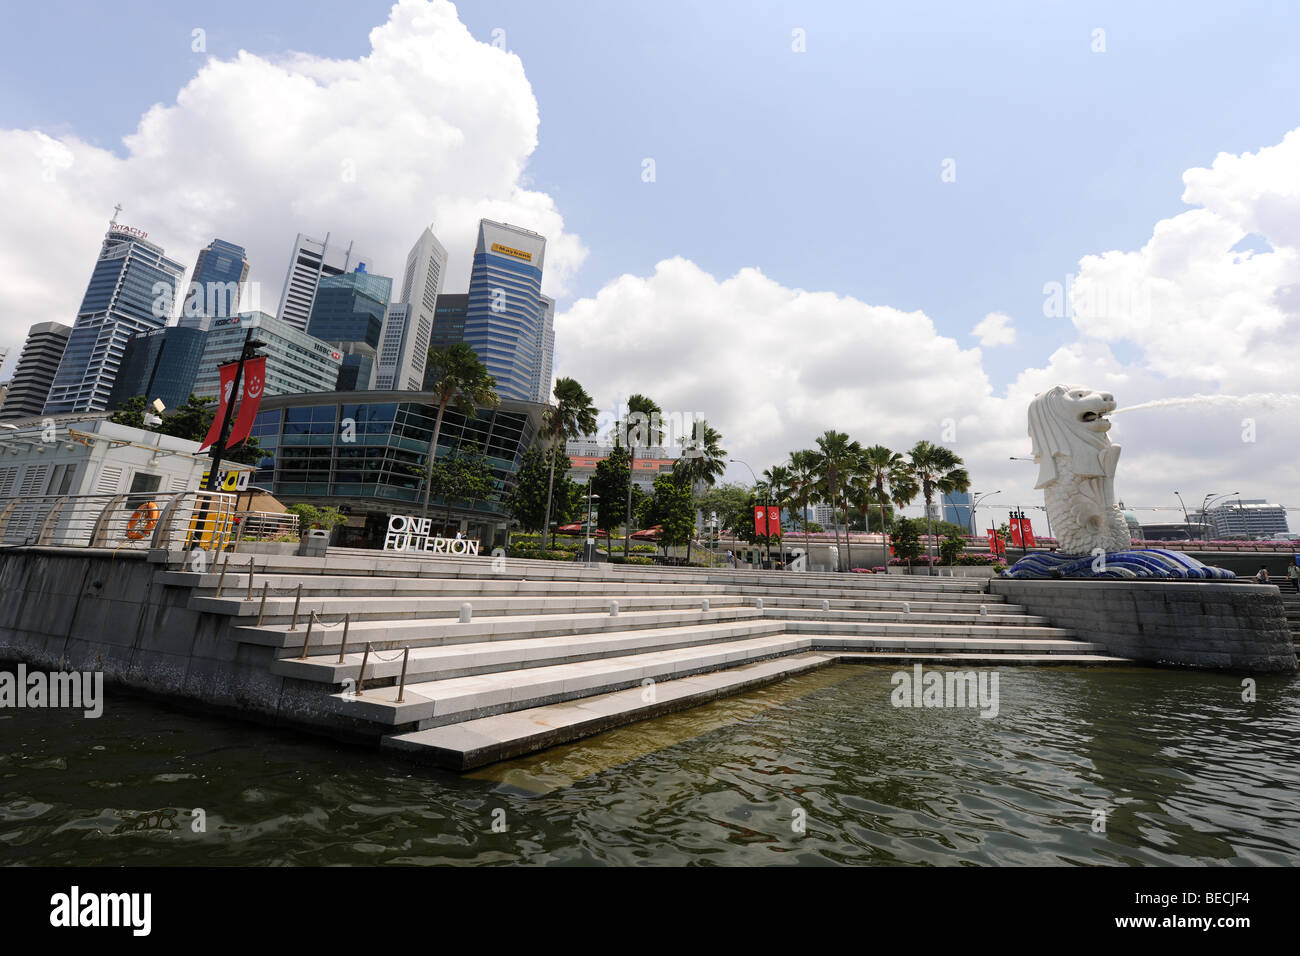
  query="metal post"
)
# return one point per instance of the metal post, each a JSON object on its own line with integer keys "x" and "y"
{"x": 401, "y": 682}
{"x": 361, "y": 678}
{"x": 293, "y": 625}
{"x": 250, "y": 580}
{"x": 221, "y": 581}
{"x": 262, "y": 608}
{"x": 343, "y": 647}
{"x": 311, "y": 619}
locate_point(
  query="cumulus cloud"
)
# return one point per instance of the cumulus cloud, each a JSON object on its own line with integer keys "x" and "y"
{"x": 995, "y": 329}
{"x": 774, "y": 367}
{"x": 430, "y": 126}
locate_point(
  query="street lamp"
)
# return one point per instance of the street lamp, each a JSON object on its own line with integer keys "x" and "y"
{"x": 589, "y": 550}
{"x": 1205, "y": 508}
{"x": 975, "y": 504}
{"x": 737, "y": 461}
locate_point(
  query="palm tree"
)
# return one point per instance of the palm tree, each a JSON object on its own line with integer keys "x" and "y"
{"x": 876, "y": 466}
{"x": 704, "y": 464}
{"x": 802, "y": 468}
{"x": 636, "y": 404}
{"x": 458, "y": 376}
{"x": 936, "y": 468}
{"x": 836, "y": 457}
{"x": 779, "y": 482}
{"x": 572, "y": 415}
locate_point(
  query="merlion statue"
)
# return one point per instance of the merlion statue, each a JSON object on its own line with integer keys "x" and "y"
{"x": 1076, "y": 468}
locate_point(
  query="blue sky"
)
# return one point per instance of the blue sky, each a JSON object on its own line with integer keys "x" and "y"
{"x": 820, "y": 168}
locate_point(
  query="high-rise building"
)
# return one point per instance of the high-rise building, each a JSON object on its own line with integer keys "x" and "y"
{"x": 1250, "y": 518}
{"x": 408, "y": 326}
{"x": 4, "y": 354}
{"x": 161, "y": 364}
{"x": 545, "y": 353}
{"x": 312, "y": 260}
{"x": 349, "y": 314}
{"x": 505, "y": 315}
{"x": 131, "y": 290}
{"x": 295, "y": 361}
{"x": 956, "y": 508}
{"x": 37, "y": 363}
{"x": 219, "y": 275}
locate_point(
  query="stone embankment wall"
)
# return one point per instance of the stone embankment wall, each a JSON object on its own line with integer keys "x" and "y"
{"x": 1191, "y": 624}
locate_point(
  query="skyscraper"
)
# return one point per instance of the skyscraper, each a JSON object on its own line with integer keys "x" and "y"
{"x": 408, "y": 326}
{"x": 312, "y": 260}
{"x": 505, "y": 315}
{"x": 295, "y": 361}
{"x": 131, "y": 290}
{"x": 349, "y": 314}
{"x": 219, "y": 274}
{"x": 160, "y": 364}
{"x": 545, "y": 353}
{"x": 37, "y": 363}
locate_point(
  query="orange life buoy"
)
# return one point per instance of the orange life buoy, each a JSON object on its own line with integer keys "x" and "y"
{"x": 143, "y": 521}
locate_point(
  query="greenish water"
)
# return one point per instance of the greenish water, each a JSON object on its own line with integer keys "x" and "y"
{"x": 1186, "y": 771}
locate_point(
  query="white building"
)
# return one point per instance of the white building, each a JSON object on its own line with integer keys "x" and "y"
{"x": 1250, "y": 518}
{"x": 312, "y": 260}
{"x": 408, "y": 324}
{"x": 823, "y": 514}
{"x": 542, "y": 369}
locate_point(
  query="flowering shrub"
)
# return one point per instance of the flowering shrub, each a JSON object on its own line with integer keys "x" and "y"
{"x": 923, "y": 561}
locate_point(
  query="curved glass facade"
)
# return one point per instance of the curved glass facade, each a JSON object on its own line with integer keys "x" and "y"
{"x": 367, "y": 450}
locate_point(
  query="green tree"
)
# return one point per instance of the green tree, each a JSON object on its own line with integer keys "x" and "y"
{"x": 744, "y": 524}
{"x": 610, "y": 483}
{"x": 674, "y": 509}
{"x": 701, "y": 464}
{"x": 130, "y": 412}
{"x": 834, "y": 462}
{"x": 641, "y": 426}
{"x": 877, "y": 465}
{"x": 309, "y": 516}
{"x": 936, "y": 468}
{"x": 729, "y": 501}
{"x": 526, "y": 501}
{"x": 907, "y": 540}
{"x": 458, "y": 377}
{"x": 950, "y": 548}
{"x": 804, "y": 477}
{"x": 463, "y": 475}
{"x": 572, "y": 415}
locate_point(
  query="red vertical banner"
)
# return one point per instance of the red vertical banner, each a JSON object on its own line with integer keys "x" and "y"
{"x": 760, "y": 521}
{"x": 1027, "y": 532}
{"x": 993, "y": 541}
{"x": 249, "y": 401}
{"x": 774, "y": 522}
{"x": 224, "y": 397}
{"x": 1015, "y": 533}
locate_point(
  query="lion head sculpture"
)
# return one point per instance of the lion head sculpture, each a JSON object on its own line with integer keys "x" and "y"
{"x": 1071, "y": 421}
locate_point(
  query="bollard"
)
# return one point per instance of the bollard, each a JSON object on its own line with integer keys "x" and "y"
{"x": 466, "y": 613}
{"x": 907, "y": 608}
{"x": 826, "y": 605}
{"x": 261, "y": 611}
{"x": 361, "y": 677}
{"x": 758, "y": 603}
{"x": 704, "y": 605}
{"x": 984, "y": 610}
{"x": 250, "y": 580}
{"x": 401, "y": 681}
{"x": 293, "y": 625}
{"x": 613, "y": 609}
{"x": 307, "y": 640}
{"x": 347, "y": 622}
{"x": 221, "y": 581}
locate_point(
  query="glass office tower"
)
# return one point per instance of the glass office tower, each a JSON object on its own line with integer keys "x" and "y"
{"x": 505, "y": 315}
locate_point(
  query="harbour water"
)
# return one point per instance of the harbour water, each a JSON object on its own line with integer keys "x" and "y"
{"x": 1080, "y": 766}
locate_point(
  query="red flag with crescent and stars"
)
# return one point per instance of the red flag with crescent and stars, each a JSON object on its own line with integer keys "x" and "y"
{"x": 225, "y": 395}
{"x": 250, "y": 400}
{"x": 1027, "y": 532}
{"x": 774, "y": 522}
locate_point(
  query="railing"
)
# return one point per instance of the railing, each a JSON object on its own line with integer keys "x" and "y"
{"x": 139, "y": 520}
{"x": 265, "y": 525}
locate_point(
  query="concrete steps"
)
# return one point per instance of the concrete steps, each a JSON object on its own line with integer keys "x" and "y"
{"x": 437, "y": 702}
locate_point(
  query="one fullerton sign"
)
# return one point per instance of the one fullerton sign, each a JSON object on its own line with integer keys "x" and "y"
{"x": 408, "y": 533}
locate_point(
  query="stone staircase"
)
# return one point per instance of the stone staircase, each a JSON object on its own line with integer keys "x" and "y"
{"x": 551, "y": 652}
